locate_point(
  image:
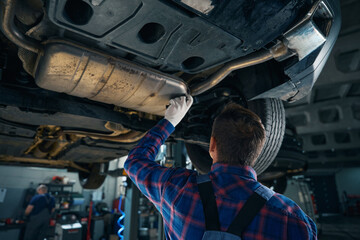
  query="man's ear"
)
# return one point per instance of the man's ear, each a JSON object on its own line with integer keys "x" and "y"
{"x": 213, "y": 149}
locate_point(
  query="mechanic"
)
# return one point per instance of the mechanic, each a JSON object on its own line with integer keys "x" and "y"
{"x": 237, "y": 139}
{"x": 40, "y": 208}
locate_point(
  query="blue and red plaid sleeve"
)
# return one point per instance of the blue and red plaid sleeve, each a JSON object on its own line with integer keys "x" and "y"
{"x": 298, "y": 224}
{"x": 301, "y": 227}
{"x": 140, "y": 166}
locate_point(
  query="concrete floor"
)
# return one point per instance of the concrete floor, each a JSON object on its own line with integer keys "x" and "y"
{"x": 343, "y": 228}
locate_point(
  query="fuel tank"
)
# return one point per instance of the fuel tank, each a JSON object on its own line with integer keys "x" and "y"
{"x": 82, "y": 72}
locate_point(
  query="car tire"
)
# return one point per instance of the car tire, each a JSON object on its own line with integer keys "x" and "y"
{"x": 93, "y": 179}
{"x": 272, "y": 114}
{"x": 289, "y": 161}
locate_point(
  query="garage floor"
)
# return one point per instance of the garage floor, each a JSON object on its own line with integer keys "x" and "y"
{"x": 344, "y": 228}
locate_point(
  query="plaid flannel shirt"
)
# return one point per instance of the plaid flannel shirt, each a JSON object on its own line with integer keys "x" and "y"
{"x": 175, "y": 194}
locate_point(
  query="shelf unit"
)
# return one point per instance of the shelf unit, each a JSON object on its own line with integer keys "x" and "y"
{"x": 62, "y": 194}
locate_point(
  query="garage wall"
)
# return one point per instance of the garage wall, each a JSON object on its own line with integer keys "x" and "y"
{"x": 348, "y": 180}
{"x": 17, "y": 179}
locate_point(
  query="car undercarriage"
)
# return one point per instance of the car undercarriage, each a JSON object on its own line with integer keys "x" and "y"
{"x": 82, "y": 81}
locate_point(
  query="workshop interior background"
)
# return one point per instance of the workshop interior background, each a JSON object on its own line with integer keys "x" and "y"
{"x": 327, "y": 186}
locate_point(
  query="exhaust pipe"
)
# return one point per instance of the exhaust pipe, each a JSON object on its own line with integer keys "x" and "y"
{"x": 12, "y": 33}
{"x": 301, "y": 40}
{"x": 81, "y": 72}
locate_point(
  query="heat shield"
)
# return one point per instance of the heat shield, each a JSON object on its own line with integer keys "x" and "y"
{"x": 84, "y": 73}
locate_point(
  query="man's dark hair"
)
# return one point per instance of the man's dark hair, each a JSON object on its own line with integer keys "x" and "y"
{"x": 239, "y": 135}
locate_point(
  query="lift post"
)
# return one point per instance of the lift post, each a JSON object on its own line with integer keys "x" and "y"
{"x": 131, "y": 221}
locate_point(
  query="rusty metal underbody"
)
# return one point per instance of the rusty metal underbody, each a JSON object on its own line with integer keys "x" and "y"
{"x": 50, "y": 141}
{"x": 67, "y": 67}
{"x": 54, "y": 163}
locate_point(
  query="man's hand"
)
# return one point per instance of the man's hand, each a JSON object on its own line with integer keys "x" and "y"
{"x": 177, "y": 109}
{"x": 28, "y": 210}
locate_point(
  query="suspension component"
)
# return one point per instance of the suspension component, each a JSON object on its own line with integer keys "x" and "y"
{"x": 206, "y": 107}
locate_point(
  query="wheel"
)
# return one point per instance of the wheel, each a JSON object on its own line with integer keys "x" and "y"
{"x": 93, "y": 179}
{"x": 272, "y": 114}
{"x": 290, "y": 161}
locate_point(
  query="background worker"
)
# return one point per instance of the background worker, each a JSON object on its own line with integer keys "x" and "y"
{"x": 237, "y": 139}
{"x": 40, "y": 208}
